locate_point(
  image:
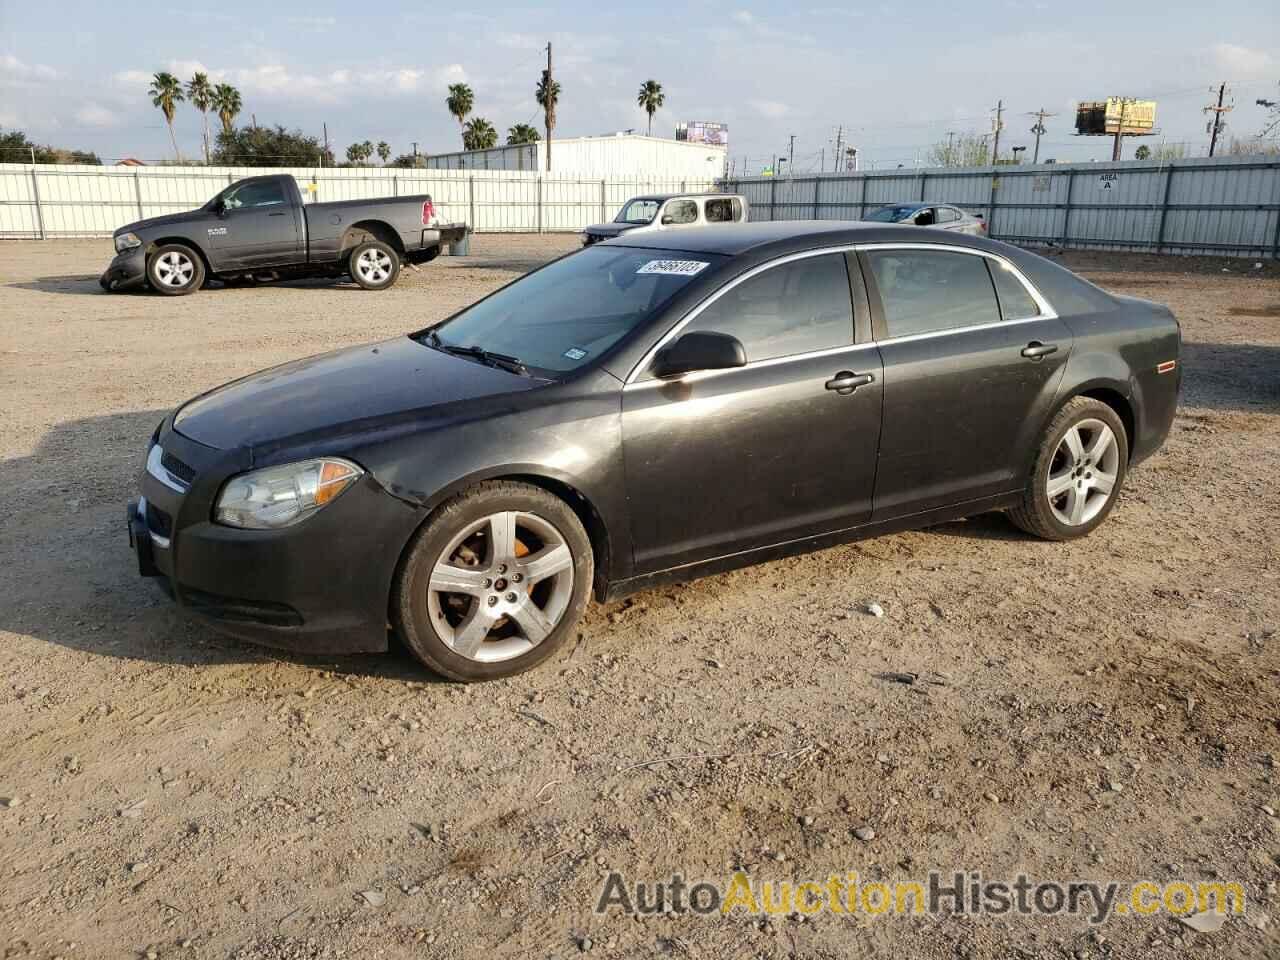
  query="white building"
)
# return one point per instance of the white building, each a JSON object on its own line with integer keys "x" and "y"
{"x": 619, "y": 155}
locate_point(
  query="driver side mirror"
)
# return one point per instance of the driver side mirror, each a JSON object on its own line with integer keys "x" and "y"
{"x": 666, "y": 219}
{"x": 220, "y": 208}
{"x": 699, "y": 351}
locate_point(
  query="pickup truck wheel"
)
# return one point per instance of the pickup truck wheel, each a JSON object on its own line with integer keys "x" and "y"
{"x": 374, "y": 265}
{"x": 175, "y": 270}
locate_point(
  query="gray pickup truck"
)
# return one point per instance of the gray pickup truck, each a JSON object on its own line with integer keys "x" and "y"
{"x": 259, "y": 229}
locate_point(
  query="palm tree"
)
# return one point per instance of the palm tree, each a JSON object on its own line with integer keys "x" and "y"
{"x": 460, "y": 101}
{"x": 200, "y": 93}
{"x": 479, "y": 134}
{"x": 548, "y": 95}
{"x": 384, "y": 151}
{"x": 166, "y": 93}
{"x": 651, "y": 98}
{"x": 521, "y": 134}
{"x": 226, "y": 100}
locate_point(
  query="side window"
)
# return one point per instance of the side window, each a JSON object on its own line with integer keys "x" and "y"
{"x": 719, "y": 210}
{"x": 1015, "y": 302}
{"x": 948, "y": 215}
{"x": 923, "y": 291}
{"x": 267, "y": 193}
{"x": 681, "y": 211}
{"x": 736, "y": 206}
{"x": 793, "y": 308}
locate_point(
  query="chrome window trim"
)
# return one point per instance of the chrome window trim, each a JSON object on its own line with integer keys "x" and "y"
{"x": 156, "y": 469}
{"x": 1046, "y": 309}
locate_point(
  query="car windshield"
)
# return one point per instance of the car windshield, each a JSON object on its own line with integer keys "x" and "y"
{"x": 638, "y": 211}
{"x": 891, "y": 214}
{"x": 572, "y": 310}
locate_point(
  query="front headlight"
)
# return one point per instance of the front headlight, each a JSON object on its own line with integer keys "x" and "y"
{"x": 279, "y": 496}
{"x": 127, "y": 241}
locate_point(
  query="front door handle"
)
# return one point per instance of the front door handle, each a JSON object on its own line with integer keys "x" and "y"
{"x": 278, "y": 213}
{"x": 846, "y": 381}
{"x": 1035, "y": 350}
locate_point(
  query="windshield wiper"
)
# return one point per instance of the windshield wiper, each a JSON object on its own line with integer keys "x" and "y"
{"x": 500, "y": 360}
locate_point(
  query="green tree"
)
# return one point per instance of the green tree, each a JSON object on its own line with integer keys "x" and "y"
{"x": 1142, "y": 153}
{"x": 226, "y": 100}
{"x": 1164, "y": 152}
{"x": 410, "y": 160}
{"x": 521, "y": 134}
{"x": 548, "y": 96}
{"x": 959, "y": 150}
{"x": 460, "y": 101}
{"x": 651, "y": 98}
{"x": 166, "y": 93}
{"x": 384, "y": 151}
{"x": 269, "y": 147}
{"x": 16, "y": 148}
{"x": 479, "y": 134}
{"x": 200, "y": 95}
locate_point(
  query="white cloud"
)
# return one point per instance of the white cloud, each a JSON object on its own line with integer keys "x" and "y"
{"x": 769, "y": 108}
{"x": 20, "y": 73}
{"x": 95, "y": 115}
{"x": 1242, "y": 61}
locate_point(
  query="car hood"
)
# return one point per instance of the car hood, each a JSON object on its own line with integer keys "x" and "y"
{"x": 168, "y": 219}
{"x": 320, "y": 396}
{"x": 610, "y": 229}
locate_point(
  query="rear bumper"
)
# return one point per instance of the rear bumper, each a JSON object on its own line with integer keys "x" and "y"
{"x": 320, "y": 586}
{"x": 126, "y": 271}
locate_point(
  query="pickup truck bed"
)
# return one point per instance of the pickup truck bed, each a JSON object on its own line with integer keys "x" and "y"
{"x": 261, "y": 229}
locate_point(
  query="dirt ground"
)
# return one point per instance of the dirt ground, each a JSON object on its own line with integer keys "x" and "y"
{"x": 1105, "y": 709}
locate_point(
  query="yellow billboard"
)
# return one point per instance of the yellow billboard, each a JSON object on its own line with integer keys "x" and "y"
{"x": 1115, "y": 115}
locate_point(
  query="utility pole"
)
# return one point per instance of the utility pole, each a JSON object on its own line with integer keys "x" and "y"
{"x": 835, "y": 166}
{"x": 950, "y": 159}
{"x": 548, "y": 87}
{"x": 1039, "y": 130}
{"x": 1218, "y": 124}
{"x": 791, "y": 156}
{"x": 995, "y": 146}
{"x": 324, "y": 147}
{"x": 1117, "y": 144}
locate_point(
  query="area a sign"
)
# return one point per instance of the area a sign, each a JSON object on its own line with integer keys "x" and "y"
{"x": 1108, "y": 181}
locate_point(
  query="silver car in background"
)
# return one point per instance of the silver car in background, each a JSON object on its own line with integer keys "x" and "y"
{"x": 944, "y": 216}
{"x": 670, "y": 211}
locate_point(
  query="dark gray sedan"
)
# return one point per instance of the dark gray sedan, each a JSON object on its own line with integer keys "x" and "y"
{"x": 643, "y": 411}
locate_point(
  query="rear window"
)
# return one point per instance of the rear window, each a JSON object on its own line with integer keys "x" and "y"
{"x": 891, "y": 214}
{"x": 924, "y": 291}
{"x": 1015, "y": 302}
{"x": 573, "y": 310}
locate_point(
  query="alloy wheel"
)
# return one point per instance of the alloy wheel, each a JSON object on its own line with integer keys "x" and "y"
{"x": 374, "y": 266}
{"x": 174, "y": 269}
{"x": 1083, "y": 472}
{"x": 500, "y": 586}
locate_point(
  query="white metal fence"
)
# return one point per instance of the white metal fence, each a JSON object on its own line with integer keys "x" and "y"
{"x": 54, "y": 200}
{"x": 1228, "y": 206}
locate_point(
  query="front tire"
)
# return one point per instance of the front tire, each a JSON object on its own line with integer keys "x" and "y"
{"x": 1079, "y": 470}
{"x": 175, "y": 270}
{"x": 494, "y": 583}
{"x": 374, "y": 265}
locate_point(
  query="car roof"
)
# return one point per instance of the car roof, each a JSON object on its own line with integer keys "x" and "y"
{"x": 788, "y": 236}
{"x": 664, "y": 197}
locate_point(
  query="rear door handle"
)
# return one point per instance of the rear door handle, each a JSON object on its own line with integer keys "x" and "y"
{"x": 278, "y": 213}
{"x": 1035, "y": 350}
{"x": 846, "y": 381}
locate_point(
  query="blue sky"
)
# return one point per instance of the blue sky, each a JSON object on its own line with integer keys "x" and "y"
{"x": 897, "y": 76}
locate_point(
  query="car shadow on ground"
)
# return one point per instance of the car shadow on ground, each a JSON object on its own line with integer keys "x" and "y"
{"x": 1243, "y": 377}
{"x": 68, "y": 577}
{"x": 78, "y": 284}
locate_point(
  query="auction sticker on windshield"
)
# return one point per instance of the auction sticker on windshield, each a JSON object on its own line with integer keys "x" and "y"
{"x": 674, "y": 268}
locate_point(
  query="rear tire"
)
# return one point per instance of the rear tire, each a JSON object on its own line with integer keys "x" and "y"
{"x": 1078, "y": 472}
{"x": 175, "y": 270}
{"x": 374, "y": 265}
{"x": 493, "y": 583}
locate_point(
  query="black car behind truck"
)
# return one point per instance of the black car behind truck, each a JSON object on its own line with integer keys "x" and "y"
{"x": 260, "y": 229}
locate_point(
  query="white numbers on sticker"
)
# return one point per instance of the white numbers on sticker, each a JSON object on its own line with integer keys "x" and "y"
{"x": 675, "y": 268}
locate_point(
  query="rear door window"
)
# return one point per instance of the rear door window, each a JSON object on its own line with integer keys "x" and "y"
{"x": 719, "y": 210}
{"x": 797, "y": 307}
{"x": 948, "y": 215}
{"x": 1015, "y": 302}
{"x": 924, "y": 291}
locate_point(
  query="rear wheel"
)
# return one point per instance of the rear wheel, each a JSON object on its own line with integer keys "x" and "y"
{"x": 175, "y": 270}
{"x": 1078, "y": 472}
{"x": 374, "y": 265}
{"x": 494, "y": 583}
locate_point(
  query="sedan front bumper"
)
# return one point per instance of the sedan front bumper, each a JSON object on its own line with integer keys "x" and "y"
{"x": 320, "y": 586}
{"x": 126, "y": 271}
